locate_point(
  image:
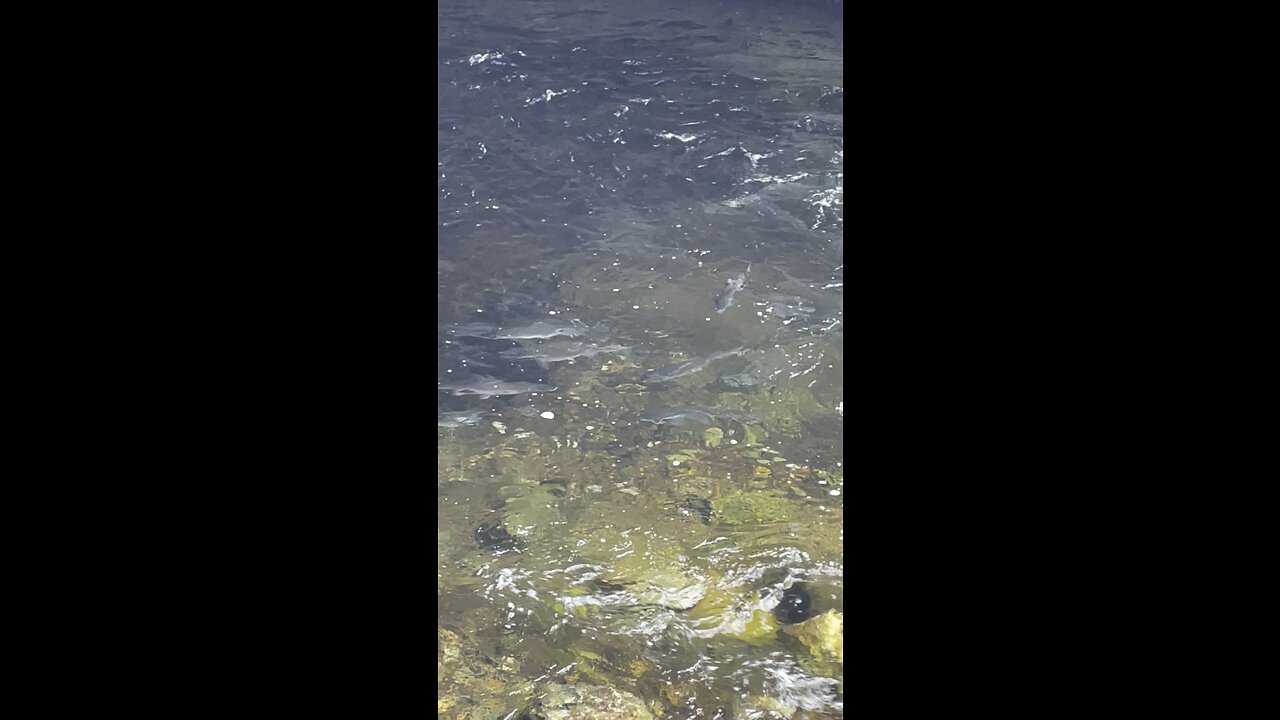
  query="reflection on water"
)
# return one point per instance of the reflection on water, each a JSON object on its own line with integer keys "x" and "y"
{"x": 640, "y": 342}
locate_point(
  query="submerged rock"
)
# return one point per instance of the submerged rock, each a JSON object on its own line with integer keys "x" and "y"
{"x": 697, "y": 506}
{"x": 670, "y": 589}
{"x": 493, "y": 536}
{"x": 712, "y": 437}
{"x": 468, "y": 685}
{"x": 588, "y": 702}
{"x": 794, "y": 606}
{"x": 449, "y": 646}
{"x": 759, "y": 628}
{"x": 823, "y": 636}
{"x": 650, "y": 565}
{"x": 748, "y": 508}
{"x": 722, "y": 612}
{"x": 529, "y": 511}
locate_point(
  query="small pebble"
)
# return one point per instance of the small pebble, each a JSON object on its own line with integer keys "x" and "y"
{"x": 548, "y": 415}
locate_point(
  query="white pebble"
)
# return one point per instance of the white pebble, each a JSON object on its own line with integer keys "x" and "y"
{"x": 676, "y": 463}
{"x": 548, "y": 415}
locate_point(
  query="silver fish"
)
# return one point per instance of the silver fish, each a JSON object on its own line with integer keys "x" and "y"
{"x": 691, "y": 415}
{"x": 786, "y": 307}
{"x": 671, "y": 372}
{"x": 724, "y": 300}
{"x": 459, "y": 419}
{"x": 741, "y": 381}
{"x": 474, "y": 330}
{"x": 536, "y": 330}
{"x": 486, "y": 387}
{"x": 542, "y": 330}
{"x": 546, "y": 353}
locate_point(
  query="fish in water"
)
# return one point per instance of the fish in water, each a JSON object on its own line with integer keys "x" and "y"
{"x": 546, "y": 353}
{"x": 542, "y": 330}
{"x": 471, "y": 330}
{"x": 725, "y": 299}
{"x": 671, "y": 372}
{"x": 691, "y": 415}
{"x": 536, "y": 330}
{"x": 460, "y": 419}
{"x": 741, "y": 381}
{"x": 487, "y": 387}
{"x": 786, "y": 307}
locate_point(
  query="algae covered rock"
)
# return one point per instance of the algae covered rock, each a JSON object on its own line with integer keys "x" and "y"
{"x": 670, "y": 589}
{"x": 588, "y": 702}
{"x": 529, "y": 512}
{"x": 823, "y": 636}
{"x": 712, "y": 437}
{"x": 747, "y": 508}
{"x": 637, "y": 546}
{"x": 767, "y": 708}
{"x": 760, "y": 627}
{"x": 468, "y": 686}
{"x": 651, "y": 565}
{"x": 722, "y": 612}
{"x": 449, "y": 645}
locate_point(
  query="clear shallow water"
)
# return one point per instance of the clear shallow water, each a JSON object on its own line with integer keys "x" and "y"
{"x": 640, "y": 342}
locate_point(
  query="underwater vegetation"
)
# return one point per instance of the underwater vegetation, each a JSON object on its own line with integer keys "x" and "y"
{"x": 610, "y": 575}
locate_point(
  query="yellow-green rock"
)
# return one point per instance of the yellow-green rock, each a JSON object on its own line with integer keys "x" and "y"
{"x": 449, "y": 645}
{"x": 760, "y": 628}
{"x": 722, "y": 612}
{"x": 745, "y": 508}
{"x": 823, "y": 636}
{"x": 715, "y": 603}
{"x": 712, "y": 437}
{"x": 669, "y": 588}
{"x": 588, "y": 702}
